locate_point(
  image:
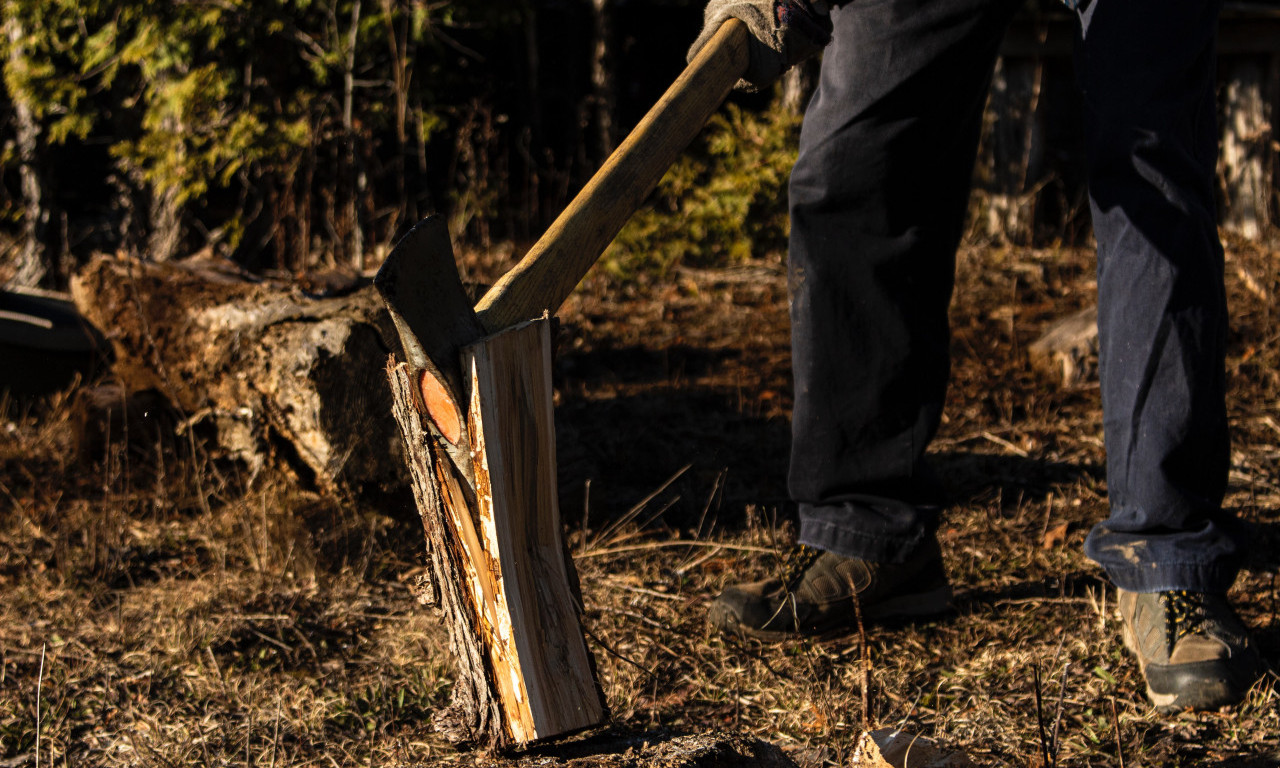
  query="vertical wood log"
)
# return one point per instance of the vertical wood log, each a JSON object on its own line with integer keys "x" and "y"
{"x": 497, "y": 554}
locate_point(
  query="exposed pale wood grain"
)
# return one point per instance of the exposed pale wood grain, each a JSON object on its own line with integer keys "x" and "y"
{"x": 513, "y": 431}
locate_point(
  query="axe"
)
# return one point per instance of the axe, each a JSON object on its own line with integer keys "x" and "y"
{"x": 473, "y": 401}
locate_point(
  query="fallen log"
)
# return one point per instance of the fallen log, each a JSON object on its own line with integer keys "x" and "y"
{"x": 283, "y": 377}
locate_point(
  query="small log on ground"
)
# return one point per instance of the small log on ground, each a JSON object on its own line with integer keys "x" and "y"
{"x": 1068, "y": 351}
{"x": 284, "y": 377}
{"x": 894, "y": 748}
{"x": 501, "y": 574}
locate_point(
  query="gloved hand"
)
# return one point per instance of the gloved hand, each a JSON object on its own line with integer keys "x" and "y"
{"x": 784, "y": 33}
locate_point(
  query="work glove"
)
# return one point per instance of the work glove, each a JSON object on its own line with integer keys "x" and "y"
{"x": 784, "y": 33}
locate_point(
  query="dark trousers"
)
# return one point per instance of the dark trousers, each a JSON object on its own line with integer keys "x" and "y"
{"x": 878, "y": 202}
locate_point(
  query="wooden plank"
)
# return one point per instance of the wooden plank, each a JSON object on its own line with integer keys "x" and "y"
{"x": 540, "y": 648}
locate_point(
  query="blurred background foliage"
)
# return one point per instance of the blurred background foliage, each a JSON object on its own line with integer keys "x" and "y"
{"x": 297, "y": 135}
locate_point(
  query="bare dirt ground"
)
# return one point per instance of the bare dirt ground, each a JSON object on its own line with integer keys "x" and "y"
{"x": 156, "y": 612}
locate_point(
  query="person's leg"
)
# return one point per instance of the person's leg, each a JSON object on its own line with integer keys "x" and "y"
{"x": 1147, "y": 71}
{"x": 878, "y": 202}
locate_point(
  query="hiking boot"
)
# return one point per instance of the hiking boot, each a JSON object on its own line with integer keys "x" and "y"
{"x": 1192, "y": 648}
{"x": 818, "y": 592}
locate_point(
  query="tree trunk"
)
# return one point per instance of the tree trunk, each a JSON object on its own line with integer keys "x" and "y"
{"x": 165, "y": 238}
{"x": 34, "y": 256}
{"x": 1246, "y": 155}
{"x": 603, "y": 87}
{"x": 355, "y": 169}
{"x": 1012, "y": 150}
{"x": 798, "y": 85}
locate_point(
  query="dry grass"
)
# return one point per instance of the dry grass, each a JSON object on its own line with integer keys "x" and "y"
{"x": 185, "y": 620}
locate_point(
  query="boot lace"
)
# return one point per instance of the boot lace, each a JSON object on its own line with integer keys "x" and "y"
{"x": 797, "y": 562}
{"x": 1186, "y": 614}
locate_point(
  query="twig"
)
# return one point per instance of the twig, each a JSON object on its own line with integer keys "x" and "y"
{"x": 717, "y": 489}
{"x": 39, "y": 688}
{"x": 689, "y": 565}
{"x": 1057, "y": 717}
{"x": 609, "y": 650}
{"x": 635, "y": 510}
{"x": 864, "y": 660}
{"x": 1000, "y": 441}
{"x": 1115, "y": 719}
{"x": 1044, "y": 741}
{"x": 275, "y": 739}
{"x": 642, "y": 590}
{"x": 664, "y": 544}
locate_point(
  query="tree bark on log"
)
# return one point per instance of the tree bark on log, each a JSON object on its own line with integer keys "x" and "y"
{"x": 284, "y": 377}
{"x": 501, "y": 574}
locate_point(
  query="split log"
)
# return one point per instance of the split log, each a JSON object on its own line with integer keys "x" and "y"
{"x": 501, "y": 574}
{"x": 281, "y": 377}
{"x": 1068, "y": 351}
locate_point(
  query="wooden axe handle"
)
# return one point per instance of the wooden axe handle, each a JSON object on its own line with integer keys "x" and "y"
{"x": 554, "y": 265}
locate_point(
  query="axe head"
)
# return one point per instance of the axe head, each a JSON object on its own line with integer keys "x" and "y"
{"x": 420, "y": 285}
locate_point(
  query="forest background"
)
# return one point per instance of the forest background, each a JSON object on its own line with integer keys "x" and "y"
{"x": 298, "y": 135}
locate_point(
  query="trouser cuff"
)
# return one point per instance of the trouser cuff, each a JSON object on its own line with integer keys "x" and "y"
{"x": 871, "y": 528}
{"x": 1191, "y": 577}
